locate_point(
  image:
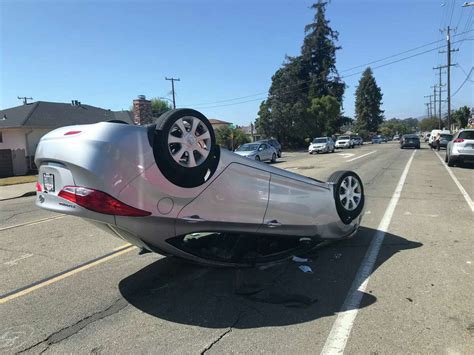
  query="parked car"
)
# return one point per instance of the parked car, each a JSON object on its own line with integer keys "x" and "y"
{"x": 461, "y": 148}
{"x": 396, "y": 137}
{"x": 359, "y": 140}
{"x": 377, "y": 140}
{"x": 444, "y": 139}
{"x": 426, "y": 136}
{"x": 410, "y": 141}
{"x": 169, "y": 188}
{"x": 344, "y": 142}
{"x": 321, "y": 145}
{"x": 274, "y": 143}
{"x": 433, "y": 135}
{"x": 257, "y": 151}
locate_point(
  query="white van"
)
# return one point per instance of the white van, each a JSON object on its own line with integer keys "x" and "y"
{"x": 434, "y": 133}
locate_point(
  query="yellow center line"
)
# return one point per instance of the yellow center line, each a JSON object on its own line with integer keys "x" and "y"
{"x": 116, "y": 252}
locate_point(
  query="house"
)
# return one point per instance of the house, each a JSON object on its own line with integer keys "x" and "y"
{"x": 216, "y": 124}
{"x": 251, "y": 133}
{"x": 21, "y": 128}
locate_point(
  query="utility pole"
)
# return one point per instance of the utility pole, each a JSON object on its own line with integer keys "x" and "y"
{"x": 428, "y": 108}
{"x": 172, "y": 89}
{"x": 440, "y": 85}
{"x": 449, "y": 65}
{"x": 25, "y": 99}
{"x": 430, "y": 111}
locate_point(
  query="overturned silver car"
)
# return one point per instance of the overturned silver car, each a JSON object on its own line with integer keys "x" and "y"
{"x": 168, "y": 188}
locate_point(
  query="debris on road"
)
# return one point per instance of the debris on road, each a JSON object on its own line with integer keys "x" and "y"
{"x": 306, "y": 269}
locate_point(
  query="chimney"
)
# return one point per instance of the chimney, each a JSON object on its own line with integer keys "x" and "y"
{"x": 142, "y": 111}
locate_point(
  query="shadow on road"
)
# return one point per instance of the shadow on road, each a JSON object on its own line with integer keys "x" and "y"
{"x": 184, "y": 293}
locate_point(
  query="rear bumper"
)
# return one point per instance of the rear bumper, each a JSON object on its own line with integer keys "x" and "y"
{"x": 465, "y": 158}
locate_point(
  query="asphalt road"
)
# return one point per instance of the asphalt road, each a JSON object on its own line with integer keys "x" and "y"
{"x": 102, "y": 297}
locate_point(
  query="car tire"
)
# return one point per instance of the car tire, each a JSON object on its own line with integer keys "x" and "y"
{"x": 274, "y": 157}
{"x": 450, "y": 161}
{"x": 279, "y": 154}
{"x": 257, "y": 158}
{"x": 446, "y": 157}
{"x": 169, "y": 141}
{"x": 348, "y": 210}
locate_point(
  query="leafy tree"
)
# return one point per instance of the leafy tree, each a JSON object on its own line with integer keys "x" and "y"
{"x": 462, "y": 116}
{"x": 159, "y": 106}
{"x": 428, "y": 124}
{"x": 326, "y": 112}
{"x": 290, "y": 112}
{"x": 230, "y": 137}
{"x": 395, "y": 126}
{"x": 368, "y": 101}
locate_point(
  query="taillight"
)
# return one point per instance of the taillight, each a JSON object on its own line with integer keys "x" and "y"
{"x": 99, "y": 201}
{"x": 70, "y": 133}
{"x": 39, "y": 188}
{"x": 458, "y": 140}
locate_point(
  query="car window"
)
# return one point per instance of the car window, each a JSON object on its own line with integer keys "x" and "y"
{"x": 466, "y": 135}
{"x": 447, "y": 136}
{"x": 319, "y": 140}
{"x": 247, "y": 147}
{"x": 344, "y": 137}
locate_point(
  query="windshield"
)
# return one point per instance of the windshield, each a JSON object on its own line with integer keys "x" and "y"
{"x": 343, "y": 137}
{"x": 319, "y": 140}
{"x": 447, "y": 136}
{"x": 247, "y": 147}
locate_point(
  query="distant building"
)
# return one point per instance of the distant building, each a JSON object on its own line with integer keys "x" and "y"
{"x": 216, "y": 124}
{"x": 21, "y": 128}
{"x": 251, "y": 133}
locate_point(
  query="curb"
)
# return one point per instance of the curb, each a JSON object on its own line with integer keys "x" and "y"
{"x": 26, "y": 194}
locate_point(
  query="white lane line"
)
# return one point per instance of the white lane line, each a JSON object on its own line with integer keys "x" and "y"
{"x": 15, "y": 261}
{"x": 32, "y": 223}
{"x": 346, "y": 155}
{"x": 341, "y": 329}
{"x": 361, "y": 156}
{"x": 456, "y": 181}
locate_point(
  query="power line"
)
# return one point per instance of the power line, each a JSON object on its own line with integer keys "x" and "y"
{"x": 464, "y": 82}
{"x": 227, "y": 101}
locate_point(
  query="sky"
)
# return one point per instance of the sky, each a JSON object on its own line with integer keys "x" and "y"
{"x": 105, "y": 53}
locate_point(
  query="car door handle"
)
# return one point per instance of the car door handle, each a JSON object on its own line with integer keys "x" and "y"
{"x": 273, "y": 223}
{"x": 193, "y": 219}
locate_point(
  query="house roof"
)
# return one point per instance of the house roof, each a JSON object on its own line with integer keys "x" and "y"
{"x": 214, "y": 121}
{"x": 43, "y": 114}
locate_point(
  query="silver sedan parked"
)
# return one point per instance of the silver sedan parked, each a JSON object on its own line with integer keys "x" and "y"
{"x": 321, "y": 145}
{"x": 461, "y": 148}
{"x": 257, "y": 151}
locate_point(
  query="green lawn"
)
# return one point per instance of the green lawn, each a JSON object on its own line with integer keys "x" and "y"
{"x": 17, "y": 180}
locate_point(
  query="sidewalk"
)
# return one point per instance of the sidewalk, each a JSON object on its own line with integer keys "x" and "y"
{"x": 19, "y": 190}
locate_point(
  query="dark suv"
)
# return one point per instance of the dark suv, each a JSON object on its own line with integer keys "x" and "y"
{"x": 274, "y": 143}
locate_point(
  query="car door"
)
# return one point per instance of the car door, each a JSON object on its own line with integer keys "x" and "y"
{"x": 235, "y": 201}
{"x": 264, "y": 151}
{"x": 293, "y": 207}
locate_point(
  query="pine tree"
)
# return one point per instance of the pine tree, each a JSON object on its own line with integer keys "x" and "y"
{"x": 368, "y": 102}
{"x": 318, "y": 55}
{"x": 290, "y": 113}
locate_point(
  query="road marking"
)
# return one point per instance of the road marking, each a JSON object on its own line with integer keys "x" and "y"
{"x": 32, "y": 223}
{"x": 346, "y": 155}
{"x": 64, "y": 274}
{"x": 456, "y": 181}
{"x": 341, "y": 329}
{"x": 15, "y": 261}
{"x": 361, "y": 156}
